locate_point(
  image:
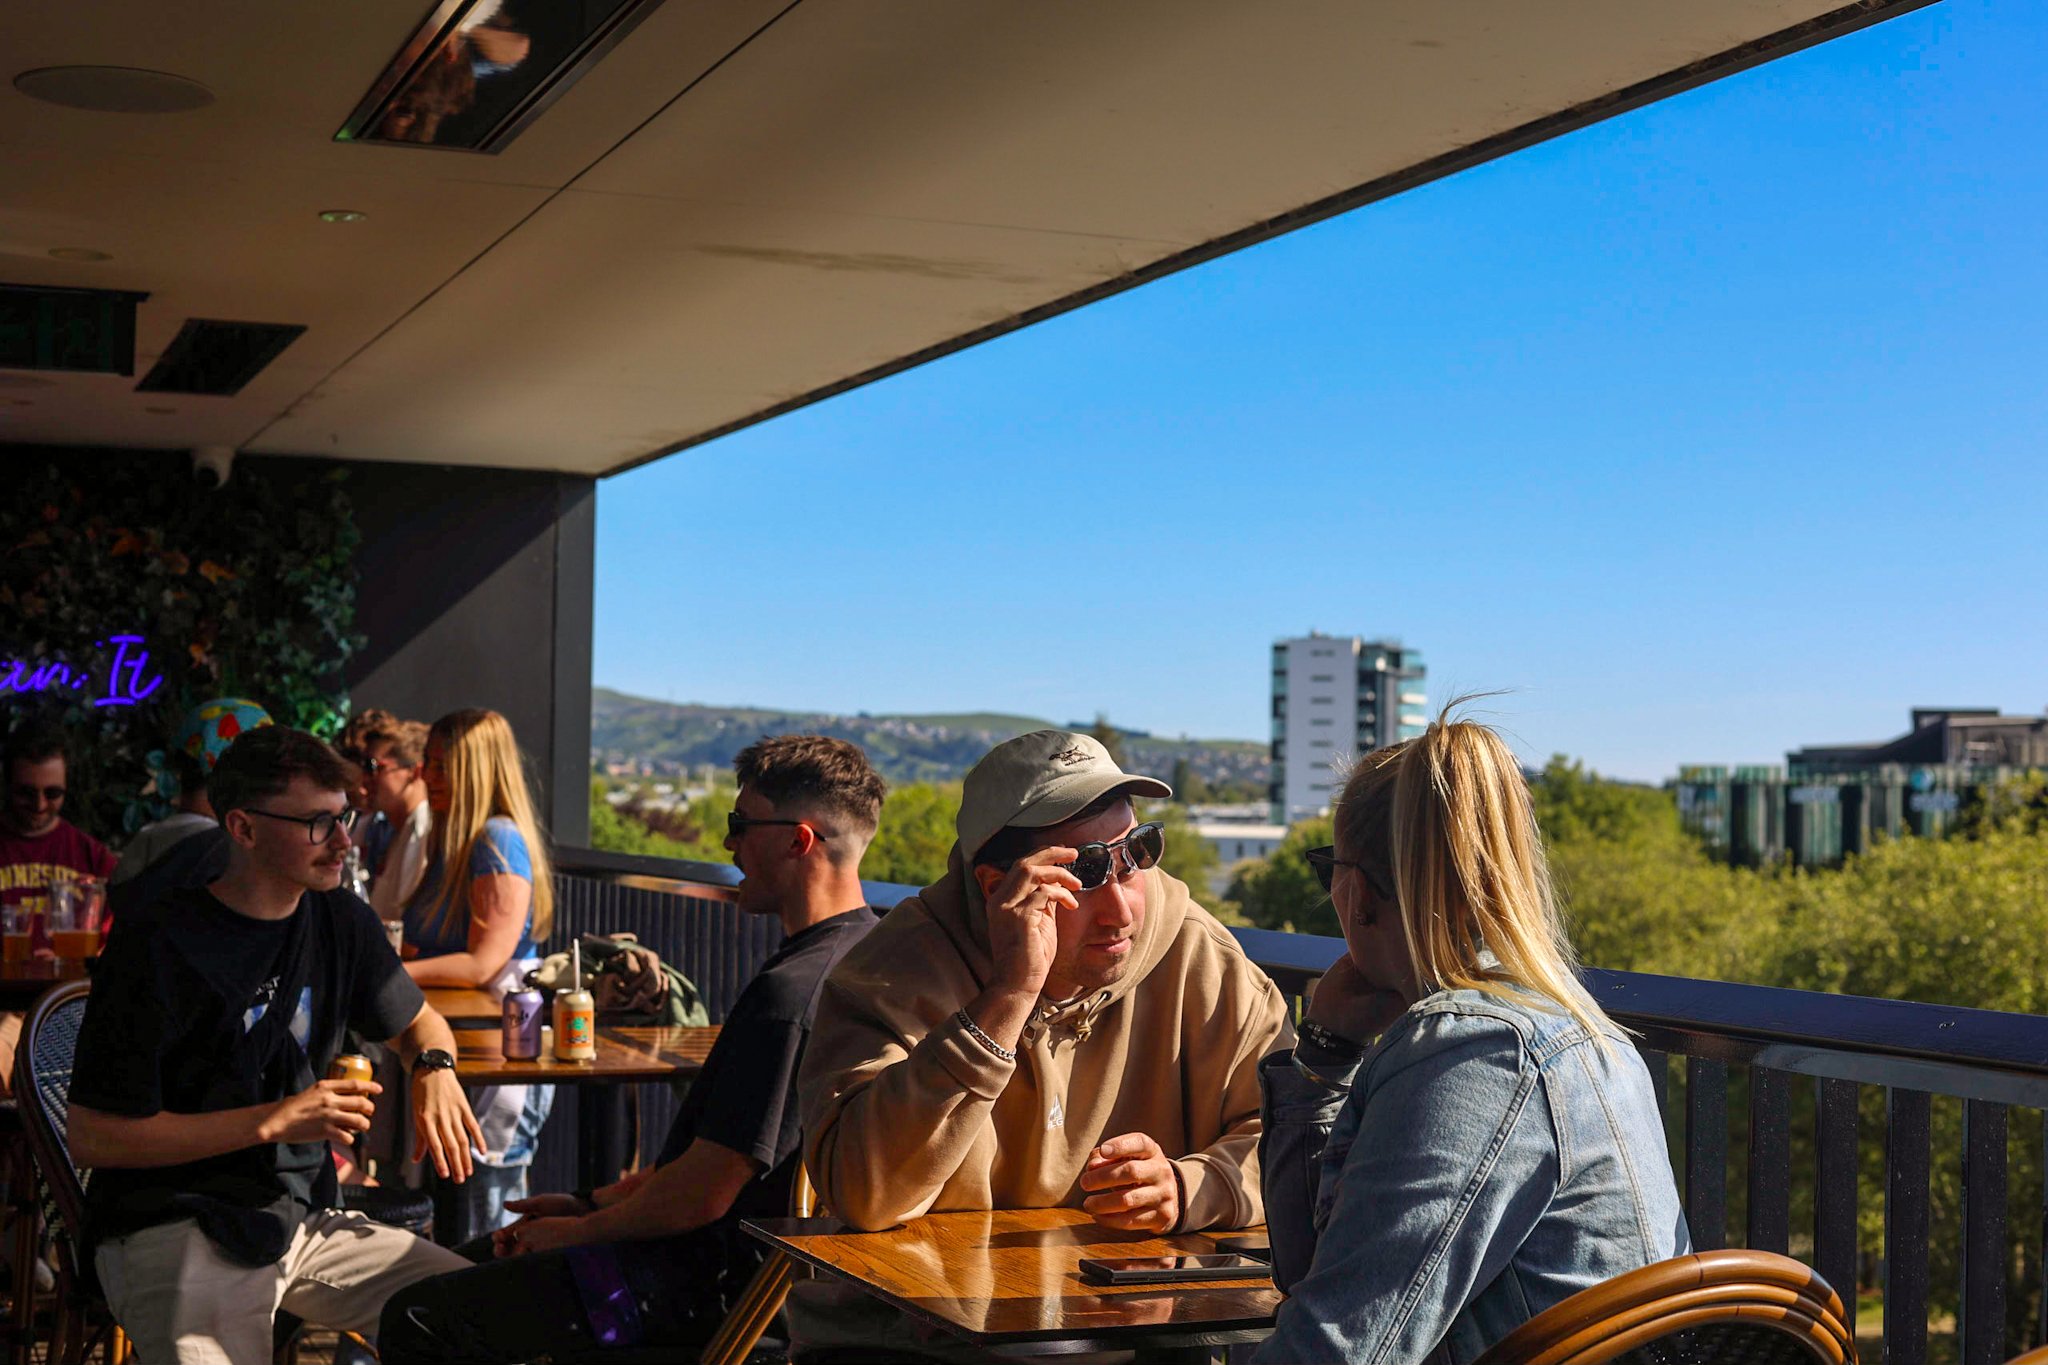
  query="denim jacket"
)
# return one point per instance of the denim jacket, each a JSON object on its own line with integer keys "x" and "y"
{"x": 1483, "y": 1161}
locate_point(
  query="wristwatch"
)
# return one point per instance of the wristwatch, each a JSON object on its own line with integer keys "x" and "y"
{"x": 432, "y": 1059}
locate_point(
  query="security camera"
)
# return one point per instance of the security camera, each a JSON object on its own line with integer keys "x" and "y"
{"x": 211, "y": 465}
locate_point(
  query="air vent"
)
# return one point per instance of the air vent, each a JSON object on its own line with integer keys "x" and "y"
{"x": 67, "y": 329}
{"x": 217, "y": 357}
{"x": 477, "y": 72}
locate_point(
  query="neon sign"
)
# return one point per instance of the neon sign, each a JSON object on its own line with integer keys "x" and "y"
{"x": 125, "y": 685}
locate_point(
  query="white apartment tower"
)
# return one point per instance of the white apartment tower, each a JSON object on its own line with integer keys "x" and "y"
{"x": 1335, "y": 698}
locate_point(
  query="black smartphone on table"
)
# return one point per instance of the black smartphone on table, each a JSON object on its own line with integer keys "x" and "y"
{"x": 1163, "y": 1269}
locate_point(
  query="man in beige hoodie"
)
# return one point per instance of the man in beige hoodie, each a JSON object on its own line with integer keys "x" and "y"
{"x": 1055, "y": 1023}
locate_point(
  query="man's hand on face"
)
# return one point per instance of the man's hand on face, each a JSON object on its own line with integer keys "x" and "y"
{"x": 1131, "y": 1185}
{"x": 1023, "y": 925}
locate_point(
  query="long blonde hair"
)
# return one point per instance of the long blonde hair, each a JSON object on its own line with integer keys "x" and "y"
{"x": 1446, "y": 821}
{"x": 485, "y": 777}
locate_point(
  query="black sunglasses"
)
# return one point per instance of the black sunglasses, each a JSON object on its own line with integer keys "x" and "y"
{"x": 319, "y": 828}
{"x": 736, "y": 825}
{"x": 28, "y": 793}
{"x": 1326, "y": 862}
{"x": 1095, "y": 864}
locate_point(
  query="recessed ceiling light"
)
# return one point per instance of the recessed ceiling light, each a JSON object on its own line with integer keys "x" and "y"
{"x": 80, "y": 253}
{"x": 114, "y": 89}
{"x": 342, "y": 216}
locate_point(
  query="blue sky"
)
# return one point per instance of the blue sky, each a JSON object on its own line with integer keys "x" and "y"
{"x": 1709, "y": 431}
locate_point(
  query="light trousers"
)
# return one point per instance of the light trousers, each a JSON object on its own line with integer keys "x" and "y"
{"x": 183, "y": 1303}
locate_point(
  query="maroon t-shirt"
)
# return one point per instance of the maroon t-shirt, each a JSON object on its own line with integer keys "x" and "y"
{"x": 29, "y": 865}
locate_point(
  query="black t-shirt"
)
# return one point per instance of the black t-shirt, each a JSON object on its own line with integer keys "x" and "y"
{"x": 196, "y": 1009}
{"x": 745, "y": 1097}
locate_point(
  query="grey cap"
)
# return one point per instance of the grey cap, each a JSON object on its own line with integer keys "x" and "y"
{"x": 1044, "y": 778}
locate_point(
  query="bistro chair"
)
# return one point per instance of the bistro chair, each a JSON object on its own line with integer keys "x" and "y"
{"x": 764, "y": 1295}
{"x": 1730, "y": 1307}
{"x": 42, "y": 1087}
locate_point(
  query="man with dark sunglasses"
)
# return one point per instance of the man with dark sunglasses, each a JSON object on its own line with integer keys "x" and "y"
{"x": 657, "y": 1260}
{"x": 197, "y": 1098}
{"x": 1054, "y": 1024}
{"x": 38, "y": 845}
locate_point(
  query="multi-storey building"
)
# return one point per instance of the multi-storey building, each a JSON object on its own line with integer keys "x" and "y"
{"x": 1335, "y": 697}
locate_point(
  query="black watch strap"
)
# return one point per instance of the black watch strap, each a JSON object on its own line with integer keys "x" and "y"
{"x": 432, "y": 1059}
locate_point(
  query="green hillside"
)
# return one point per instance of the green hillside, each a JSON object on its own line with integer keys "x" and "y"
{"x": 667, "y": 737}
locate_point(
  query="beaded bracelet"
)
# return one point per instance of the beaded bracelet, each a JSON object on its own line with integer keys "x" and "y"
{"x": 974, "y": 1032}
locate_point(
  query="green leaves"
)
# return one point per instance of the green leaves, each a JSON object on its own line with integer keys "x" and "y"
{"x": 244, "y": 591}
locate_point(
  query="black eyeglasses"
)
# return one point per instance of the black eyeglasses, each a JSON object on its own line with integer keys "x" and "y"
{"x": 319, "y": 828}
{"x": 1143, "y": 847}
{"x": 50, "y": 794}
{"x": 737, "y": 825}
{"x": 1326, "y": 862}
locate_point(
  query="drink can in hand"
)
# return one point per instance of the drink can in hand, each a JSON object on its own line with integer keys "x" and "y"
{"x": 524, "y": 1015}
{"x": 349, "y": 1066}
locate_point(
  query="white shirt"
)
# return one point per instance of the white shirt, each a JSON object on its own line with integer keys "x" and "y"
{"x": 405, "y": 863}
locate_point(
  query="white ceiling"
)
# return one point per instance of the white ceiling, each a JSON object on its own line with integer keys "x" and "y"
{"x": 674, "y": 250}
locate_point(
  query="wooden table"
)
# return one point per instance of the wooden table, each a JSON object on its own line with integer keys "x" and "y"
{"x": 1010, "y": 1281}
{"x": 624, "y": 1056}
{"x": 465, "y": 1009}
{"x": 22, "y": 982}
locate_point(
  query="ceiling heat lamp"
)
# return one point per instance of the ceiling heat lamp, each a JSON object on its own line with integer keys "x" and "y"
{"x": 475, "y": 73}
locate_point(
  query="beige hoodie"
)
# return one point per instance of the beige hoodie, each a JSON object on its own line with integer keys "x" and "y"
{"x": 905, "y": 1113}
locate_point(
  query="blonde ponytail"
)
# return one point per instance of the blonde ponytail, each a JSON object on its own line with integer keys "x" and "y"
{"x": 1448, "y": 821}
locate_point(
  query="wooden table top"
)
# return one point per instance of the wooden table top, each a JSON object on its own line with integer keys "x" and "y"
{"x": 22, "y": 982}
{"x": 1013, "y": 1276}
{"x": 623, "y": 1055}
{"x": 464, "y": 1008}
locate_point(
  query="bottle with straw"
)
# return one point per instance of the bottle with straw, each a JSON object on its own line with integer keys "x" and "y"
{"x": 575, "y": 1015}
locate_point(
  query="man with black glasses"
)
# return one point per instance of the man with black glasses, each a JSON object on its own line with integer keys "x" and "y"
{"x": 196, "y": 1095}
{"x": 1055, "y": 1023}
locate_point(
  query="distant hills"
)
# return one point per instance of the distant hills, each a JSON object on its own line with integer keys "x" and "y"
{"x": 638, "y": 733}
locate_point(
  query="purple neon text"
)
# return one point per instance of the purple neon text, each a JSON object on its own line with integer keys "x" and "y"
{"x": 128, "y": 681}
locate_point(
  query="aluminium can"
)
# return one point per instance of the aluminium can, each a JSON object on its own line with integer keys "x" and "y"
{"x": 524, "y": 1013}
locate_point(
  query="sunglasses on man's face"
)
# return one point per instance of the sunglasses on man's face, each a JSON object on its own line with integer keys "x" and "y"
{"x": 50, "y": 794}
{"x": 1095, "y": 864}
{"x": 737, "y": 825}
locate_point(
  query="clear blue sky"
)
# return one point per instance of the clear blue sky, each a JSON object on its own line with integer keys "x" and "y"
{"x": 1709, "y": 431}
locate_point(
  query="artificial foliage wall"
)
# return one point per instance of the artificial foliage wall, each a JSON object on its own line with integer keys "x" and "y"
{"x": 129, "y": 593}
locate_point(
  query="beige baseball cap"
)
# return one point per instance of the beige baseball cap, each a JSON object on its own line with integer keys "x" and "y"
{"x": 1044, "y": 778}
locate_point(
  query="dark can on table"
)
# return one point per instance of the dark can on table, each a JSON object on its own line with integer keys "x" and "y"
{"x": 524, "y": 1012}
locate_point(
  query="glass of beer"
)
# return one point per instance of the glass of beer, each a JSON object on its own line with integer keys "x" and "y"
{"x": 75, "y": 918}
{"x": 17, "y": 928}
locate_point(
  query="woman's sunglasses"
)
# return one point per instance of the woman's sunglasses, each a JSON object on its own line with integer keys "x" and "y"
{"x": 1326, "y": 862}
{"x": 1095, "y": 864}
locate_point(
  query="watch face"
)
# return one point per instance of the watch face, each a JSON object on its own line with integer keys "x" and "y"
{"x": 434, "y": 1059}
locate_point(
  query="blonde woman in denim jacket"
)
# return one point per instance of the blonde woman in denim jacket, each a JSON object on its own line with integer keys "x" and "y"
{"x": 1499, "y": 1147}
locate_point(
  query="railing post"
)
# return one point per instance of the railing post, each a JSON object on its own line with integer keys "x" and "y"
{"x": 1905, "y": 1228}
{"x": 1706, "y": 1152}
{"x": 1834, "y": 1192}
{"x": 1770, "y": 1160}
{"x": 1983, "y": 1304}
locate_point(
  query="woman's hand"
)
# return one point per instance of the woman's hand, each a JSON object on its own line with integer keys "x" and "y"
{"x": 1349, "y": 1006}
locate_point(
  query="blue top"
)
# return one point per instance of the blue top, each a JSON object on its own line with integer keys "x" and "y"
{"x": 437, "y": 932}
{"x": 1485, "y": 1160}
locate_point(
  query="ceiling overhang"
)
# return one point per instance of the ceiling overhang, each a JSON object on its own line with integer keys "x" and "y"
{"x": 749, "y": 205}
